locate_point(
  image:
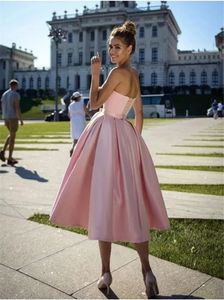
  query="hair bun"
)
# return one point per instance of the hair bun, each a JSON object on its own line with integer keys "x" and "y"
{"x": 130, "y": 27}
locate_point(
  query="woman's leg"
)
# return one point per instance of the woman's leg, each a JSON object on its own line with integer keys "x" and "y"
{"x": 143, "y": 252}
{"x": 149, "y": 278}
{"x": 105, "y": 252}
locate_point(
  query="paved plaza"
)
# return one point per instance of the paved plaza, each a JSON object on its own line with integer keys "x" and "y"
{"x": 38, "y": 261}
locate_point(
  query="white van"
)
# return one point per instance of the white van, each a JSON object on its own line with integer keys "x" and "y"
{"x": 156, "y": 106}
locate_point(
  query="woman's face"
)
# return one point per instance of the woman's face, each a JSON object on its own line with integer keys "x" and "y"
{"x": 118, "y": 51}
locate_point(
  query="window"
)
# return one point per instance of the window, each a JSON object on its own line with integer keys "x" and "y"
{"x": 141, "y": 32}
{"x": 171, "y": 78}
{"x": 59, "y": 82}
{"x": 192, "y": 78}
{"x": 154, "y": 55}
{"x": 125, "y": 3}
{"x": 215, "y": 78}
{"x": 77, "y": 82}
{"x": 80, "y": 58}
{"x": 203, "y": 77}
{"x": 70, "y": 37}
{"x": 59, "y": 59}
{"x": 141, "y": 79}
{"x": 181, "y": 78}
{"x": 141, "y": 56}
{"x": 104, "y": 35}
{"x": 80, "y": 36}
{"x": 92, "y": 36}
{"x": 88, "y": 80}
{"x": 112, "y": 3}
{"x": 154, "y": 31}
{"x": 153, "y": 78}
{"x": 104, "y": 57}
{"x": 47, "y": 83}
{"x": 31, "y": 83}
{"x": 67, "y": 83}
{"x": 24, "y": 83}
{"x": 38, "y": 83}
{"x": 91, "y": 54}
{"x": 3, "y": 67}
{"x": 69, "y": 58}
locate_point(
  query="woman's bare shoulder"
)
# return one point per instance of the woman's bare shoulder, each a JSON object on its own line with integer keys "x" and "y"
{"x": 135, "y": 72}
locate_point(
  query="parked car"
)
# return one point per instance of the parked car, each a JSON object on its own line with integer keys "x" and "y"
{"x": 62, "y": 116}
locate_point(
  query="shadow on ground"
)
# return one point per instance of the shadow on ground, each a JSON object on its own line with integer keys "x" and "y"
{"x": 3, "y": 171}
{"x": 30, "y": 175}
{"x": 112, "y": 295}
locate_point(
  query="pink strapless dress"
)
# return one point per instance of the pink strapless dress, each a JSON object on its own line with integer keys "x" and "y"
{"x": 110, "y": 186}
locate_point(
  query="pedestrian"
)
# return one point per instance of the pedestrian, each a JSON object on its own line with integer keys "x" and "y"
{"x": 77, "y": 113}
{"x": 11, "y": 114}
{"x": 220, "y": 110}
{"x": 214, "y": 109}
{"x": 110, "y": 186}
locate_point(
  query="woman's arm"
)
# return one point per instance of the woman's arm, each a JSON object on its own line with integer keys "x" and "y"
{"x": 138, "y": 108}
{"x": 138, "y": 113}
{"x": 98, "y": 95}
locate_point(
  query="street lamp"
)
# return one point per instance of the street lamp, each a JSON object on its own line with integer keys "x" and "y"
{"x": 57, "y": 35}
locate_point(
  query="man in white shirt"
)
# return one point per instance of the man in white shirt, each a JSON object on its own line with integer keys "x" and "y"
{"x": 11, "y": 114}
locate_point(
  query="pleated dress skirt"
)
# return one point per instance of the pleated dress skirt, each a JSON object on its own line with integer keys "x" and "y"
{"x": 110, "y": 186}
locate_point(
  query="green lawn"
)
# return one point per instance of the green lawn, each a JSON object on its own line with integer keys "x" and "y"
{"x": 193, "y": 168}
{"x": 196, "y": 244}
{"x": 212, "y": 154}
{"x": 39, "y": 129}
{"x": 208, "y": 189}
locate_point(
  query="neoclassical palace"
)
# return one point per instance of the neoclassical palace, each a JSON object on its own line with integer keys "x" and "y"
{"x": 157, "y": 58}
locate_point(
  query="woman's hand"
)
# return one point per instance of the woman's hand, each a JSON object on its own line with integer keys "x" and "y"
{"x": 96, "y": 65}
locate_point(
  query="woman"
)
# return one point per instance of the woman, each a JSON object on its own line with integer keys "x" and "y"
{"x": 77, "y": 114}
{"x": 116, "y": 194}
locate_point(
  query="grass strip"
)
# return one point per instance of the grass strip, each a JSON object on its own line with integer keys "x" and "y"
{"x": 194, "y": 168}
{"x": 208, "y": 189}
{"x": 208, "y": 135}
{"x": 40, "y": 142}
{"x": 214, "y": 154}
{"x": 42, "y": 137}
{"x": 205, "y": 140}
{"x": 200, "y": 146}
{"x": 195, "y": 244}
{"x": 34, "y": 149}
{"x": 39, "y": 129}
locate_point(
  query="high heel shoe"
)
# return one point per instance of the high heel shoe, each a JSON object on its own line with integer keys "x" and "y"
{"x": 105, "y": 281}
{"x": 151, "y": 285}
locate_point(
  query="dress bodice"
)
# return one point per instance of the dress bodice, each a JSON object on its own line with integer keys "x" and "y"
{"x": 118, "y": 105}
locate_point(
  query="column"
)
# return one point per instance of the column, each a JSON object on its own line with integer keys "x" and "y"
{"x": 96, "y": 41}
{"x": 7, "y": 74}
{"x": 84, "y": 47}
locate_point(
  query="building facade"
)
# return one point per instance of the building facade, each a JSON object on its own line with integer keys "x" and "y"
{"x": 157, "y": 58}
{"x": 11, "y": 60}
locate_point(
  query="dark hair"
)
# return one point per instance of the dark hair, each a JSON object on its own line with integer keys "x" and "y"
{"x": 127, "y": 33}
{"x": 76, "y": 99}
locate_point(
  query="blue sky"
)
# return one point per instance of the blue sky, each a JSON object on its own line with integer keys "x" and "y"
{"x": 24, "y": 22}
